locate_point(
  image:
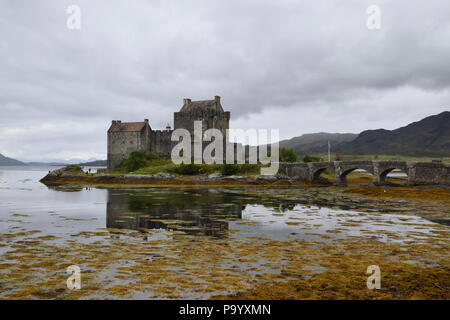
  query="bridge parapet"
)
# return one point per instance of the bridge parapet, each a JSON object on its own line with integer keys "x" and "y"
{"x": 429, "y": 173}
{"x": 419, "y": 173}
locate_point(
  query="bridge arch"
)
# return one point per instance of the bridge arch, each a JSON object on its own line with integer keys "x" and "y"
{"x": 386, "y": 167}
{"x": 344, "y": 168}
{"x": 344, "y": 174}
{"x": 317, "y": 174}
{"x": 384, "y": 174}
{"x": 317, "y": 168}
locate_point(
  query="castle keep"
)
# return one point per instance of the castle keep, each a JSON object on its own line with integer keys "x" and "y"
{"x": 124, "y": 137}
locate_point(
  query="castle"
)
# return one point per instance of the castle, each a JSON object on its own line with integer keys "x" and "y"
{"x": 124, "y": 137}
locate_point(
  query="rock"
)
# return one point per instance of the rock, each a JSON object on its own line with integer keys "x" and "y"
{"x": 144, "y": 177}
{"x": 66, "y": 175}
{"x": 72, "y": 170}
{"x": 266, "y": 178}
{"x": 105, "y": 177}
{"x": 236, "y": 178}
{"x": 163, "y": 176}
{"x": 281, "y": 176}
{"x": 214, "y": 176}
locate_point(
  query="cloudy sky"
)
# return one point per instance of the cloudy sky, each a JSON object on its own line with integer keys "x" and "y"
{"x": 300, "y": 66}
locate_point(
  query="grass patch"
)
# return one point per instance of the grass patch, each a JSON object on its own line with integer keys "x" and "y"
{"x": 73, "y": 169}
{"x": 163, "y": 165}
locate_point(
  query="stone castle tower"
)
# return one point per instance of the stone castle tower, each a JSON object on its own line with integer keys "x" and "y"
{"x": 125, "y": 137}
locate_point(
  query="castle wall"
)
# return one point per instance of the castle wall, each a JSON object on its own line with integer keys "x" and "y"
{"x": 160, "y": 142}
{"x": 121, "y": 144}
{"x": 211, "y": 119}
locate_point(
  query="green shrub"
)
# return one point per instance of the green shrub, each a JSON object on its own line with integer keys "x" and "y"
{"x": 187, "y": 169}
{"x": 138, "y": 159}
{"x": 230, "y": 169}
{"x": 209, "y": 168}
{"x": 287, "y": 155}
{"x": 248, "y": 168}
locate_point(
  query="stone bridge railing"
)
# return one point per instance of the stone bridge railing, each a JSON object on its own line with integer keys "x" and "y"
{"x": 419, "y": 173}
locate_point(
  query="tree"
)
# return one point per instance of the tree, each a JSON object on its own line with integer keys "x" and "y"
{"x": 287, "y": 155}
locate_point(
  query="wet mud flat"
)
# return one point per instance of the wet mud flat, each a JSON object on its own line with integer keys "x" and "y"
{"x": 228, "y": 242}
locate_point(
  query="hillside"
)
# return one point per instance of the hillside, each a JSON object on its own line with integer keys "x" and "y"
{"x": 96, "y": 163}
{"x": 317, "y": 142}
{"x": 427, "y": 137}
{"x": 5, "y": 161}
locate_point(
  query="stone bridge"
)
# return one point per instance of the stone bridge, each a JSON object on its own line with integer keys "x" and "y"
{"x": 419, "y": 173}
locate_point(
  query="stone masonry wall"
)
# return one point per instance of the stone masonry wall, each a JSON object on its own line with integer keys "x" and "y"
{"x": 161, "y": 143}
{"x": 121, "y": 144}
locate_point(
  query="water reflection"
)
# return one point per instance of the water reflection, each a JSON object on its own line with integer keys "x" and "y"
{"x": 206, "y": 212}
{"x": 223, "y": 213}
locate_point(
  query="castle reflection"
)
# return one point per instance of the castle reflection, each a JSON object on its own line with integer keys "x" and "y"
{"x": 204, "y": 211}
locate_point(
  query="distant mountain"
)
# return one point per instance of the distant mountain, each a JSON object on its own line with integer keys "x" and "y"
{"x": 69, "y": 161}
{"x": 58, "y": 162}
{"x": 5, "y": 161}
{"x": 96, "y": 163}
{"x": 46, "y": 164}
{"x": 427, "y": 137}
{"x": 317, "y": 142}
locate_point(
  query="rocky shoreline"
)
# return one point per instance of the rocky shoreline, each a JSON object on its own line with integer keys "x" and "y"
{"x": 67, "y": 176}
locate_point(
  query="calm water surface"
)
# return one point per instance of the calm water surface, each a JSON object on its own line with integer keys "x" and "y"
{"x": 61, "y": 216}
{"x": 27, "y": 204}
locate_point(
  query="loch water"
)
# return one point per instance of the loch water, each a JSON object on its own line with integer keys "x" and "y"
{"x": 60, "y": 216}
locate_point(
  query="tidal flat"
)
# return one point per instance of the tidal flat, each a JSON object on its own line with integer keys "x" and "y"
{"x": 214, "y": 242}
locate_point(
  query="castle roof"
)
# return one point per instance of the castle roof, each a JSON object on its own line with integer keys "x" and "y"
{"x": 192, "y": 106}
{"x": 128, "y": 126}
{"x": 132, "y": 126}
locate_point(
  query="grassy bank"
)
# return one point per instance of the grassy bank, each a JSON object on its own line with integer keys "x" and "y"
{"x": 142, "y": 162}
{"x": 167, "y": 166}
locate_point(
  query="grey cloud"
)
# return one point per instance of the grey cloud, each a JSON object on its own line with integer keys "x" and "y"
{"x": 302, "y": 66}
